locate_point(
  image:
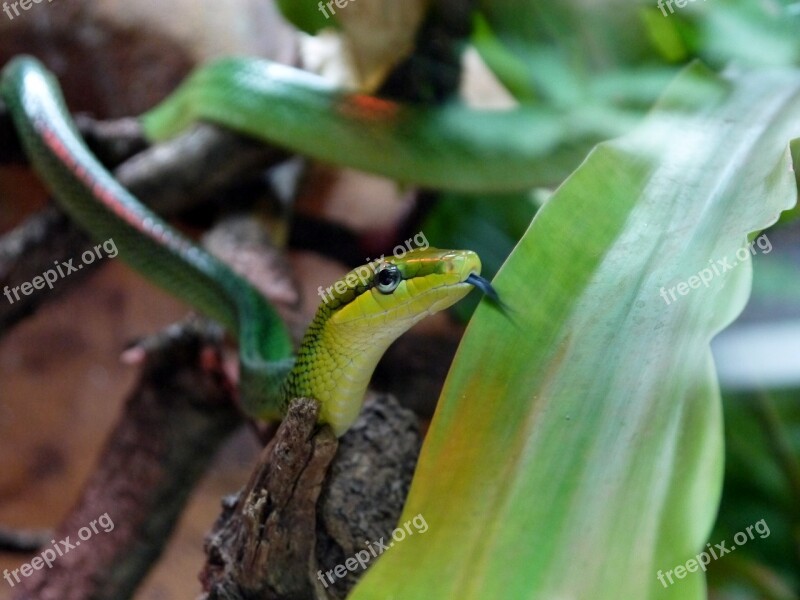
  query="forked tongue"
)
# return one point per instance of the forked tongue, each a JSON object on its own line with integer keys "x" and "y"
{"x": 494, "y": 298}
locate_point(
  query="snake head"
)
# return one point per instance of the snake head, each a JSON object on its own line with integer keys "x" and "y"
{"x": 367, "y": 310}
{"x": 402, "y": 290}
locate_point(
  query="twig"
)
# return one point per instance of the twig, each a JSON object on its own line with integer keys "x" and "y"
{"x": 27, "y": 252}
{"x": 366, "y": 488}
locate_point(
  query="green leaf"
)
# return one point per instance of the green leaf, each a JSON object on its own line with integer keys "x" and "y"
{"x": 577, "y": 447}
{"x": 305, "y": 15}
{"x": 446, "y": 147}
{"x": 751, "y": 33}
{"x": 511, "y": 70}
{"x": 539, "y": 49}
{"x": 664, "y": 34}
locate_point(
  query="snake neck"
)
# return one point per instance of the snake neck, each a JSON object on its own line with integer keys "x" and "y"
{"x": 335, "y": 363}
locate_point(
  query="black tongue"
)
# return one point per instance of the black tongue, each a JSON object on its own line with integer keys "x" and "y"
{"x": 484, "y": 286}
{"x": 494, "y": 298}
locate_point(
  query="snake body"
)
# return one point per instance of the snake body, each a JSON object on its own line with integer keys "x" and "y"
{"x": 369, "y": 309}
{"x": 448, "y": 147}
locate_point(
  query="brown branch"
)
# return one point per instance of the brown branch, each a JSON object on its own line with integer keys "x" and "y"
{"x": 261, "y": 547}
{"x": 273, "y": 541}
{"x": 27, "y": 252}
{"x": 111, "y": 141}
{"x": 194, "y": 167}
{"x": 366, "y": 487}
{"x": 171, "y": 426}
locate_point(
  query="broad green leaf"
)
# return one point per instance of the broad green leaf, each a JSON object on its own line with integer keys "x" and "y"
{"x": 577, "y": 446}
{"x": 598, "y": 34}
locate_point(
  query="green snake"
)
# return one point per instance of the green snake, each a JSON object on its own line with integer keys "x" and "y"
{"x": 351, "y": 329}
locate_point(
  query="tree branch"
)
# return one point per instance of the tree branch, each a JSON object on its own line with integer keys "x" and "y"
{"x": 273, "y": 539}
{"x": 178, "y": 415}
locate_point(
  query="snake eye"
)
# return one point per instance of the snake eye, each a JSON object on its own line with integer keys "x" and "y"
{"x": 387, "y": 279}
